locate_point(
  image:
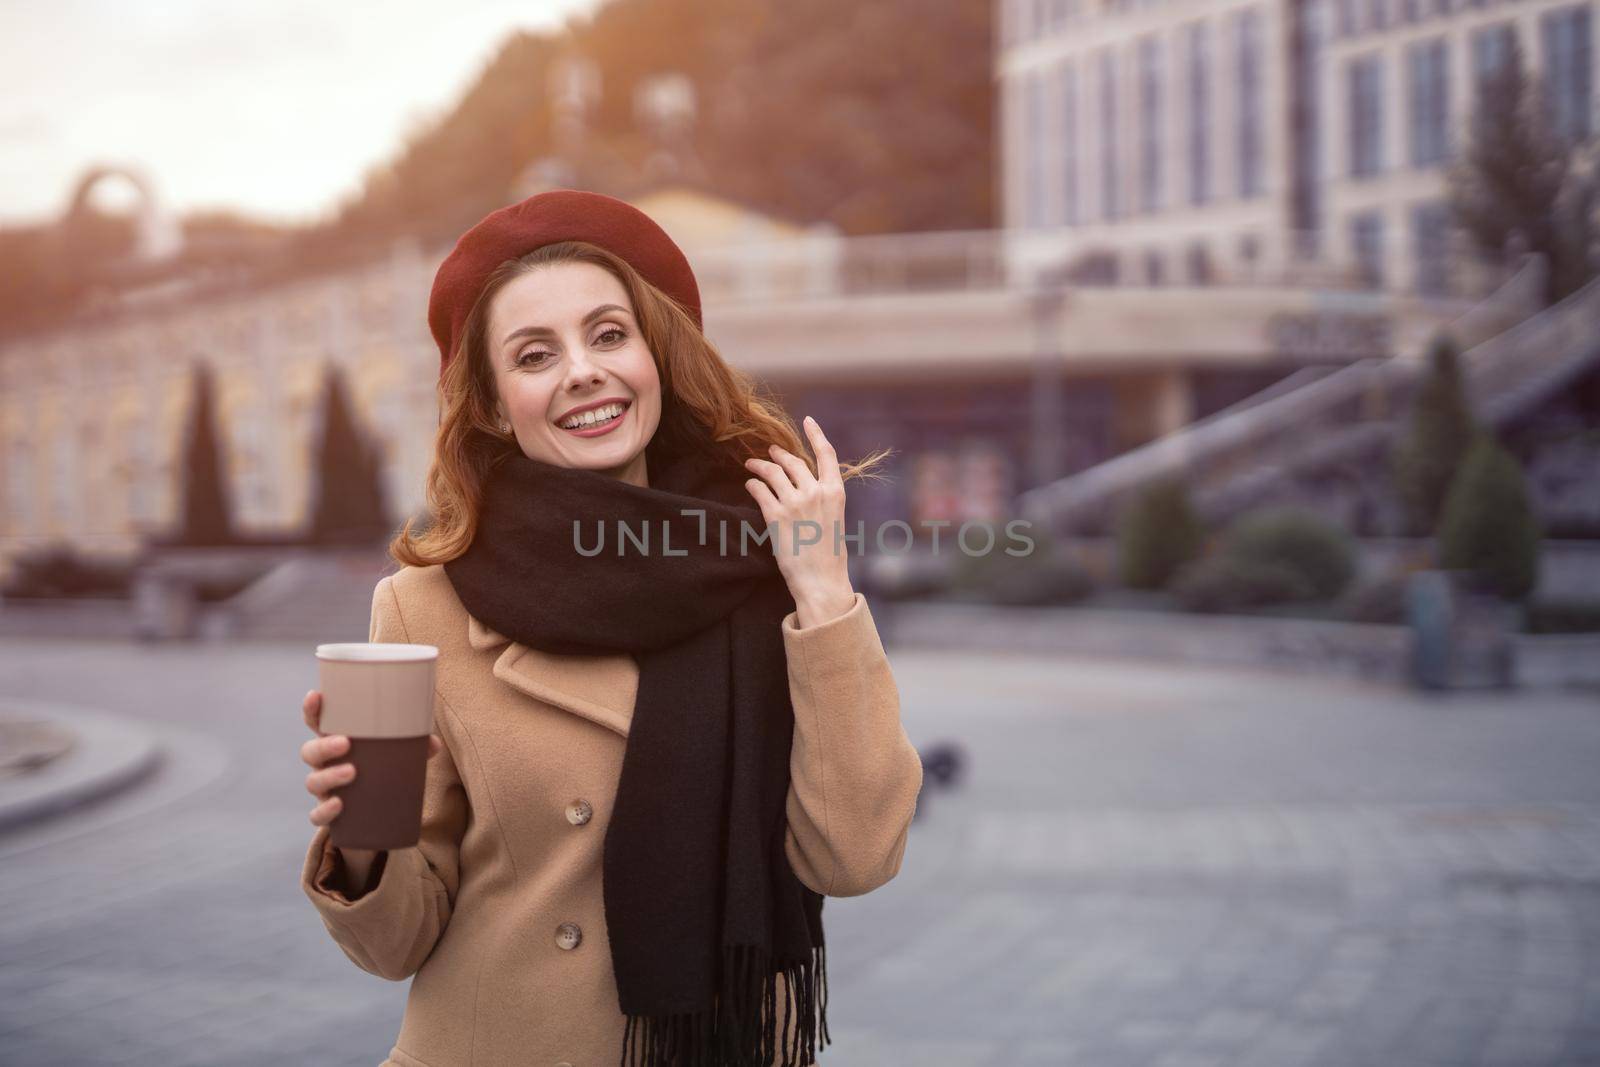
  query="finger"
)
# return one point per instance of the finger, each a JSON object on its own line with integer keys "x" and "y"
{"x": 311, "y": 709}
{"x": 827, "y": 458}
{"x": 769, "y": 503}
{"x": 776, "y": 477}
{"x": 321, "y": 783}
{"x": 796, "y": 467}
{"x": 327, "y": 811}
{"x": 319, "y": 750}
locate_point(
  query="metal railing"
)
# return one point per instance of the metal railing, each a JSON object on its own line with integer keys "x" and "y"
{"x": 1282, "y": 428}
{"x": 820, "y": 265}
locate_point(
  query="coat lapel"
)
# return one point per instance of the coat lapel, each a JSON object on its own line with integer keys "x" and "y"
{"x": 598, "y": 688}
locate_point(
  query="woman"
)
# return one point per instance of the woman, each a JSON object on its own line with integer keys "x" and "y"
{"x": 658, "y": 745}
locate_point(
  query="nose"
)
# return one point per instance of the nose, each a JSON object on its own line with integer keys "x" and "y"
{"x": 582, "y": 368}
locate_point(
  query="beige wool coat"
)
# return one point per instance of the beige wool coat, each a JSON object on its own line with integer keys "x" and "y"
{"x": 497, "y": 914}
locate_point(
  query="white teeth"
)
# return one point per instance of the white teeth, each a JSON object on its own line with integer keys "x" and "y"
{"x": 589, "y": 418}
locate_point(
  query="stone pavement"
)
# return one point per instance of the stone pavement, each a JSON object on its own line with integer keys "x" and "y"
{"x": 71, "y": 756}
{"x": 1147, "y": 865}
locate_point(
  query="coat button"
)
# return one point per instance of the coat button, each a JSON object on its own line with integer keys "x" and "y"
{"x": 563, "y": 1063}
{"x": 568, "y": 935}
{"x": 579, "y": 812}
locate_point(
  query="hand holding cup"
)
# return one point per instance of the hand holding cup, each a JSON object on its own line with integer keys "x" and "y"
{"x": 326, "y": 776}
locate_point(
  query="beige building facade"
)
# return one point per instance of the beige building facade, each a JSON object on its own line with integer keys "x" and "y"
{"x": 1298, "y": 141}
{"x": 1401, "y": 80}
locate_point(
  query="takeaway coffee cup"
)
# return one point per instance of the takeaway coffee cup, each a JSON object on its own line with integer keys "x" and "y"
{"x": 380, "y": 695}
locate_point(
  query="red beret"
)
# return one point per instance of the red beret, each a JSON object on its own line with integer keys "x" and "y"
{"x": 555, "y": 215}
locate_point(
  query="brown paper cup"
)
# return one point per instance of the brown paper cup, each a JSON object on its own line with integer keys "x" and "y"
{"x": 380, "y": 695}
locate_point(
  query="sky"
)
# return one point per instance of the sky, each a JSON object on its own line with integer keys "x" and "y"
{"x": 273, "y": 109}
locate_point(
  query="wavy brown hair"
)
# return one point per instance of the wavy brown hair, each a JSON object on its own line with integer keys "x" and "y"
{"x": 705, "y": 403}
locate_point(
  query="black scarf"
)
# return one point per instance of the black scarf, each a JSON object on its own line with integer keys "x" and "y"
{"x": 702, "y": 907}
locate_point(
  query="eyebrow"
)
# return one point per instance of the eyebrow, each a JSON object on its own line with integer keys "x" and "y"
{"x": 545, "y": 331}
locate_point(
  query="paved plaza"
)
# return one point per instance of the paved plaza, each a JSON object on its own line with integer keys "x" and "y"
{"x": 1147, "y": 865}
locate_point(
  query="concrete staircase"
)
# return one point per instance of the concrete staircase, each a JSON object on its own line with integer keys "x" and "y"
{"x": 321, "y": 597}
{"x": 1514, "y": 358}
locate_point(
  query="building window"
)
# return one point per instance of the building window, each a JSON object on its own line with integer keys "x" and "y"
{"x": 1491, "y": 47}
{"x": 1430, "y": 227}
{"x": 1377, "y": 14}
{"x": 1428, "y": 97}
{"x": 1155, "y": 268}
{"x": 1410, "y": 10}
{"x": 1307, "y": 49}
{"x": 1069, "y": 144}
{"x": 1199, "y": 258}
{"x": 1199, "y": 85}
{"x": 1251, "y": 164}
{"x": 1366, "y": 243}
{"x": 1110, "y": 176}
{"x": 1366, "y": 115}
{"x": 1033, "y": 150}
{"x": 1150, "y": 123}
{"x": 1568, "y": 70}
{"x": 1347, "y": 17}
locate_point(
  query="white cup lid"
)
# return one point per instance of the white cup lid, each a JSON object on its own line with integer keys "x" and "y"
{"x": 377, "y": 652}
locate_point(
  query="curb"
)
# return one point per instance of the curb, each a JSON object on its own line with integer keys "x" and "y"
{"x": 110, "y": 753}
{"x": 1366, "y": 651}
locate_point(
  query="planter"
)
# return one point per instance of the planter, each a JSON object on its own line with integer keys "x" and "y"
{"x": 1464, "y": 637}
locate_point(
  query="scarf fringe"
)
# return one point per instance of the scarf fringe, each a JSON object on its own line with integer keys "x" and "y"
{"x": 741, "y": 1031}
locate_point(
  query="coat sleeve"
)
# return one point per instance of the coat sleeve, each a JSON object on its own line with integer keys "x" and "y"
{"x": 390, "y": 929}
{"x": 854, "y": 775}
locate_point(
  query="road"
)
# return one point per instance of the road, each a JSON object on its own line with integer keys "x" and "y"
{"x": 1146, "y": 865}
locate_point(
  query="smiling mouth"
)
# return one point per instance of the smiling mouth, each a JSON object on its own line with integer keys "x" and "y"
{"x": 586, "y": 428}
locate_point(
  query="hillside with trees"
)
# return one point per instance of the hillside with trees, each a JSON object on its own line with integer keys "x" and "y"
{"x": 875, "y": 117}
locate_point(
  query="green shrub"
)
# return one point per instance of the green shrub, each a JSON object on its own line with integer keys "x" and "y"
{"x": 1157, "y": 534}
{"x": 912, "y": 586}
{"x": 60, "y": 570}
{"x": 1488, "y": 528}
{"x": 1055, "y": 580}
{"x": 1046, "y": 575}
{"x": 1223, "y": 583}
{"x": 1311, "y": 546}
{"x": 1381, "y": 600}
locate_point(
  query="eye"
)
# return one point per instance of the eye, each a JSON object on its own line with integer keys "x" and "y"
{"x": 613, "y": 330}
{"x": 525, "y": 355}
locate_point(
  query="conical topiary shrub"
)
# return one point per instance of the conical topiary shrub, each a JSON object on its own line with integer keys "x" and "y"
{"x": 1489, "y": 528}
{"x": 1439, "y": 434}
{"x": 204, "y": 519}
{"x": 348, "y": 507}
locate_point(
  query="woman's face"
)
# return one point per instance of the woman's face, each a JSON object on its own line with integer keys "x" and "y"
{"x": 562, "y": 340}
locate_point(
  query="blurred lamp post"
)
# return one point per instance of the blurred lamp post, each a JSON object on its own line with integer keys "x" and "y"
{"x": 1047, "y": 407}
